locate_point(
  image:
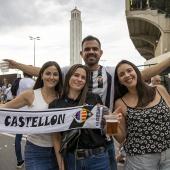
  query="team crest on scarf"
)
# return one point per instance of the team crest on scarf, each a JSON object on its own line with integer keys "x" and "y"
{"x": 82, "y": 115}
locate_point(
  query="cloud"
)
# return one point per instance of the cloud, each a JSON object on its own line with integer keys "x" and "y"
{"x": 30, "y": 13}
{"x": 50, "y": 20}
{"x": 62, "y": 2}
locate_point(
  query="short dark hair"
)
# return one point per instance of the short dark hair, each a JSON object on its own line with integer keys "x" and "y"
{"x": 146, "y": 93}
{"x": 66, "y": 87}
{"x": 39, "y": 82}
{"x": 90, "y": 38}
{"x": 27, "y": 75}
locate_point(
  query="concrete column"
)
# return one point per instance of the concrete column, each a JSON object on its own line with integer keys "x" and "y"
{"x": 127, "y": 5}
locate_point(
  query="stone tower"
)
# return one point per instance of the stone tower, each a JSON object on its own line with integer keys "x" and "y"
{"x": 75, "y": 37}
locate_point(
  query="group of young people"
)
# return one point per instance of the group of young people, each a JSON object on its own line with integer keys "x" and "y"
{"x": 144, "y": 125}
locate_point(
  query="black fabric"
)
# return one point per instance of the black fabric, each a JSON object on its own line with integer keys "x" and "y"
{"x": 69, "y": 139}
{"x": 89, "y": 138}
{"x": 81, "y": 153}
{"x": 148, "y": 130}
{"x": 91, "y": 82}
{"x": 14, "y": 87}
{"x": 109, "y": 81}
{"x": 100, "y": 78}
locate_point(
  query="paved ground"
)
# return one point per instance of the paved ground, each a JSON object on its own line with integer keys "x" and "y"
{"x": 7, "y": 152}
{"x": 120, "y": 166}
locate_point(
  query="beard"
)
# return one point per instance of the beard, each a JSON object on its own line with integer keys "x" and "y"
{"x": 92, "y": 61}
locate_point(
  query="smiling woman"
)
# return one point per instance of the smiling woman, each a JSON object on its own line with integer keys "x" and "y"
{"x": 39, "y": 150}
{"x": 89, "y": 148}
{"x": 77, "y": 80}
{"x": 146, "y": 120}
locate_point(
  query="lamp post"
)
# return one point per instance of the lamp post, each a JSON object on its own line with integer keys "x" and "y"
{"x": 103, "y": 61}
{"x": 34, "y": 38}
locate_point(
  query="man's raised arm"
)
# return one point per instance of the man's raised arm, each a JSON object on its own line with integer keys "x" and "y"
{"x": 31, "y": 70}
{"x": 156, "y": 69}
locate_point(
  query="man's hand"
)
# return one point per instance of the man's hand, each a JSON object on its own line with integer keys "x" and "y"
{"x": 12, "y": 63}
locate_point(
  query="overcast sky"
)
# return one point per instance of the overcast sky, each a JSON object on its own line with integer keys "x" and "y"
{"x": 50, "y": 20}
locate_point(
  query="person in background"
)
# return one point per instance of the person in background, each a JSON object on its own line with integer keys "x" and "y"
{"x": 39, "y": 151}
{"x": 146, "y": 120}
{"x": 3, "y": 88}
{"x": 25, "y": 83}
{"x": 156, "y": 80}
{"x": 147, "y": 82}
{"x": 8, "y": 93}
{"x": 101, "y": 78}
{"x": 120, "y": 158}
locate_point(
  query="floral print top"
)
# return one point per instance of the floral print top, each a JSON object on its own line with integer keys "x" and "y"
{"x": 148, "y": 130}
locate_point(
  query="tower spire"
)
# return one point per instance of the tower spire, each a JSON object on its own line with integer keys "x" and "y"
{"x": 75, "y": 37}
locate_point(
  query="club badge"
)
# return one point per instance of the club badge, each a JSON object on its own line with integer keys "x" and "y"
{"x": 82, "y": 115}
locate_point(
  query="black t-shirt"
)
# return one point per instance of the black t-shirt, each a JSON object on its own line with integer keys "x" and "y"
{"x": 89, "y": 138}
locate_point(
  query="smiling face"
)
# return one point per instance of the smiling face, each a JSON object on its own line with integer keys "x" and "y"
{"x": 127, "y": 75}
{"x": 78, "y": 80}
{"x": 91, "y": 53}
{"x": 50, "y": 77}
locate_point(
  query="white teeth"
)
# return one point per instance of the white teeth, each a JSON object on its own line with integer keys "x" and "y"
{"x": 129, "y": 80}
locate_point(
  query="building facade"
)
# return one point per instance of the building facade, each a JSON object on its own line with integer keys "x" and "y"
{"x": 149, "y": 29}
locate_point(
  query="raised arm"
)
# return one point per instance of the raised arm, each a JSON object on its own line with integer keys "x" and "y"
{"x": 25, "y": 98}
{"x": 155, "y": 70}
{"x": 31, "y": 70}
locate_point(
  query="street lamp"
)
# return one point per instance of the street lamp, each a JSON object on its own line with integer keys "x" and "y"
{"x": 34, "y": 38}
{"x": 103, "y": 61}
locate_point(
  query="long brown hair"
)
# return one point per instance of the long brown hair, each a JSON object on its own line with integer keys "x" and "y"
{"x": 146, "y": 94}
{"x": 66, "y": 87}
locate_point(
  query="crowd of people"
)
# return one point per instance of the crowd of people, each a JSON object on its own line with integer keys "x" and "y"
{"x": 144, "y": 127}
{"x": 5, "y": 93}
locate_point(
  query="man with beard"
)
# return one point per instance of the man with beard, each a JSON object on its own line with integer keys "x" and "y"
{"x": 101, "y": 78}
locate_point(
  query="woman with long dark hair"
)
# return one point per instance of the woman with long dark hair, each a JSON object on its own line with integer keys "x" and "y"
{"x": 89, "y": 151}
{"x": 146, "y": 120}
{"x": 39, "y": 150}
